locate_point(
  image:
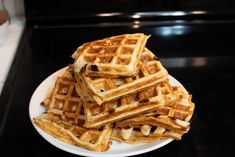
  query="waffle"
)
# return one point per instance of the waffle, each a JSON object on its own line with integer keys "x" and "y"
{"x": 149, "y": 72}
{"x": 181, "y": 109}
{"x": 65, "y": 117}
{"x": 63, "y": 86}
{"x": 110, "y": 57}
{"x": 92, "y": 139}
{"x": 169, "y": 121}
{"x": 128, "y": 106}
{"x": 63, "y": 100}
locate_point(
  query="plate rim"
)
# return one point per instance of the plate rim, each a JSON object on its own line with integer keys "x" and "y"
{"x": 68, "y": 147}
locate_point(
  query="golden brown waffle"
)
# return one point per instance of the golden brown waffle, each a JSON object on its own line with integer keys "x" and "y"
{"x": 63, "y": 100}
{"x": 63, "y": 85}
{"x": 149, "y": 72}
{"x": 92, "y": 139}
{"x": 110, "y": 57}
{"x": 65, "y": 118}
{"x": 171, "y": 121}
{"x": 181, "y": 109}
{"x": 128, "y": 106}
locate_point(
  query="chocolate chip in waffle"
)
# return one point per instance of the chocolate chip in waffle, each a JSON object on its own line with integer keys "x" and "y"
{"x": 149, "y": 72}
{"x": 110, "y": 57}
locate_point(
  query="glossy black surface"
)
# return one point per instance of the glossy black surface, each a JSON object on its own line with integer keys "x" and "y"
{"x": 55, "y": 12}
{"x": 63, "y": 8}
{"x": 199, "y": 55}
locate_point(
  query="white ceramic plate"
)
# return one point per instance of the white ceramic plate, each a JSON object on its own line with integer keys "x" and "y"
{"x": 117, "y": 149}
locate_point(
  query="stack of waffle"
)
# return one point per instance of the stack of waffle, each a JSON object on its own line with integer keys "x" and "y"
{"x": 116, "y": 89}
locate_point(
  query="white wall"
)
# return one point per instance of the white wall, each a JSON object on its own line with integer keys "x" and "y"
{"x": 15, "y": 7}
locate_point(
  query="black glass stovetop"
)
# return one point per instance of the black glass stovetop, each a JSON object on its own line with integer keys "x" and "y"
{"x": 200, "y": 55}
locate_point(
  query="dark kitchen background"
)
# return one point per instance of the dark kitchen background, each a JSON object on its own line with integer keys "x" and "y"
{"x": 194, "y": 40}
